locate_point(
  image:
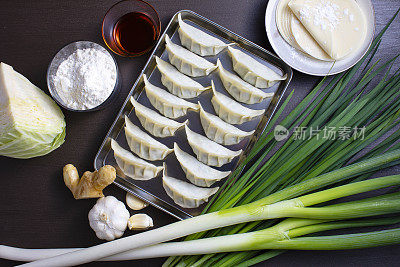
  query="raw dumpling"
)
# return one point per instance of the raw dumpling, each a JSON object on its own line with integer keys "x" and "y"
{"x": 219, "y": 131}
{"x": 143, "y": 144}
{"x": 209, "y": 152}
{"x": 166, "y": 103}
{"x": 178, "y": 83}
{"x": 185, "y": 194}
{"x": 155, "y": 123}
{"x": 239, "y": 89}
{"x": 187, "y": 62}
{"x": 198, "y": 41}
{"x": 231, "y": 111}
{"x": 197, "y": 172}
{"x": 253, "y": 71}
{"x": 132, "y": 166}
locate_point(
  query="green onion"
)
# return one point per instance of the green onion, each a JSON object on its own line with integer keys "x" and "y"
{"x": 351, "y": 241}
{"x": 288, "y": 229}
{"x": 259, "y": 210}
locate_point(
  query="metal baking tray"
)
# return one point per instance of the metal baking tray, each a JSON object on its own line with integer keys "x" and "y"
{"x": 152, "y": 190}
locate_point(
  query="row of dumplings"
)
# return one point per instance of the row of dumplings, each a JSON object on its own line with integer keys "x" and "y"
{"x": 197, "y": 170}
{"x": 218, "y": 128}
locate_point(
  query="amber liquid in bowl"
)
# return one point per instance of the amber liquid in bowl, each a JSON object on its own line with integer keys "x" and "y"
{"x": 135, "y": 33}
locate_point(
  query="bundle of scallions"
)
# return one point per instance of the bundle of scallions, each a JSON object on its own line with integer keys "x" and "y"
{"x": 277, "y": 201}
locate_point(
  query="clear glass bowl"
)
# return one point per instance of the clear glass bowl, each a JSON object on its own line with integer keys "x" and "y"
{"x": 120, "y": 9}
{"x": 62, "y": 55}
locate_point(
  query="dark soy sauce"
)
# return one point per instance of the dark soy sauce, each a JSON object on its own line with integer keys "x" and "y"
{"x": 135, "y": 33}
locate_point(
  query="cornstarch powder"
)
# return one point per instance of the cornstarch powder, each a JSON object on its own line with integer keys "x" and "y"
{"x": 85, "y": 79}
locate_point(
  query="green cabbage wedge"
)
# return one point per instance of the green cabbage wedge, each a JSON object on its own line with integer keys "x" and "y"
{"x": 31, "y": 123}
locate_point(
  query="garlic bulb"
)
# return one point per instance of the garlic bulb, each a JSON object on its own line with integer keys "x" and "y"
{"x": 140, "y": 221}
{"x": 108, "y": 218}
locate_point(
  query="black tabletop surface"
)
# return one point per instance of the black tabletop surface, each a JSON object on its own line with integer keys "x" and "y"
{"x": 37, "y": 210}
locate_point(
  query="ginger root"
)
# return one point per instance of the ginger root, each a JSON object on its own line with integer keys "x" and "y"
{"x": 91, "y": 184}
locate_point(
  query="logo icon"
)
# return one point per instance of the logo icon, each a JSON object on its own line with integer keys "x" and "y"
{"x": 280, "y": 133}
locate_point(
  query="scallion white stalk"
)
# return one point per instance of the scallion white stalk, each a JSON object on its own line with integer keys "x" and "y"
{"x": 246, "y": 213}
{"x": 288, "y": 229}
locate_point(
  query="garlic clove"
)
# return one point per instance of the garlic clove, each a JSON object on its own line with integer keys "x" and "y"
{"x": 134, "y": 202}
{"x": 140, "y": 221}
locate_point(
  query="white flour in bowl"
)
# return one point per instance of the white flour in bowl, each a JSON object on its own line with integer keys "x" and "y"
{"x": 85, "y": 79}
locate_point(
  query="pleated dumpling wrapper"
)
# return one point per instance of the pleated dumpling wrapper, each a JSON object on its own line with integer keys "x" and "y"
{"x": 166, "y": 103}
{"x": 155, "y": 123}
{"x": 198, "y": 41}
{"x": 220, "y": 131}
{"x": 208, "y": 151}
{"x": 239, "y": 89}
{"x": 132, "y": 166}
{"x": 186, "y": 194}
{"x": 197, "y": 172}
{"x": 231, "y": 111}
{"x": 143, "y": 144}
{"x": 253, "y": 71}
{"x": 178, "y": 83}
{"x": 186, "y": 61}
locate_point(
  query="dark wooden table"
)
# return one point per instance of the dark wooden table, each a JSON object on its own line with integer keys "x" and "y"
{"x": 37, "y": 210}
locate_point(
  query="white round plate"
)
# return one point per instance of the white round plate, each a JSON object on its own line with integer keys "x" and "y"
{"x": 303, "y": 63}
